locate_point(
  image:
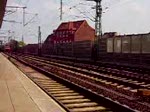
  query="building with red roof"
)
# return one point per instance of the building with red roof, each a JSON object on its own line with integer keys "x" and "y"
{"x": 72, "y": 31}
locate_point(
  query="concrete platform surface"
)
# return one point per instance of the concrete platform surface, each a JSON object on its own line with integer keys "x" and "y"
{"x": 19, "y": 94}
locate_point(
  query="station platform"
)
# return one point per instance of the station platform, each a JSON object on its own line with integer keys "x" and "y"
{"x": 19, "y": 94}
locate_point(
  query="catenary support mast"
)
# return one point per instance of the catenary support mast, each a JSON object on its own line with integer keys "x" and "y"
{"x": 98, "y": 22}
{"x": 39, "y": 41}
{"x": 98, "y": 27}
{"x": 61, "y": 9}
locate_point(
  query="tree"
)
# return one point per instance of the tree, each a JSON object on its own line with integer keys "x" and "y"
{"x": 21, "y": 44}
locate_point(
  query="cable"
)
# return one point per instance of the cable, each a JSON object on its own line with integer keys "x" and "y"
{"x": 119, "y": 4}
{"x": 9, "y": 13}
{"x": 83, "y": 13}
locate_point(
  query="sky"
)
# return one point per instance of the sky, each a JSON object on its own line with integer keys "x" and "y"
{"x": 122, "y": 16}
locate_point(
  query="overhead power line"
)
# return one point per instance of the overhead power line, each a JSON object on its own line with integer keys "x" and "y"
{"x": 92, "y": 19}
{"x": 31, "y": 20}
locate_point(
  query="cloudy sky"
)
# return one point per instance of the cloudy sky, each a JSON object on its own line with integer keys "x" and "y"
{"x": 122, "y": 16}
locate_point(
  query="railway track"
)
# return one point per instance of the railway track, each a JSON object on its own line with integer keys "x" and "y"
{"x": 124, "y": 72}
{"x": 94, "y": 82}
{"x": 134, "y": 83}
{"x": 69, "y": 98}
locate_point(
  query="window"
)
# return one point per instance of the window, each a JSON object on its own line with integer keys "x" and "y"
{"x": 57, "y": 34}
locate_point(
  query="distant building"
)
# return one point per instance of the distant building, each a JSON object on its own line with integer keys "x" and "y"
{"x": 72, "y": 31}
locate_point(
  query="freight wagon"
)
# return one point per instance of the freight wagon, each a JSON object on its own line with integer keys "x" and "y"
{"x": 119, "y": 49}
{"x": 125, "y": 49}
{"x": 79, "y": 49}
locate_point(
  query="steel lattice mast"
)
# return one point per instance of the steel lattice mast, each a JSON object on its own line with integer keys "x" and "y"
{"x": 98, "y": 27}
{"x": 61, "y": 9}
{"x": 98, "y": 23}
{"x": 39, "y": 41}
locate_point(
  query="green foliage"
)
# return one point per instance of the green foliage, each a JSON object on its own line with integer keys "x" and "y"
{"x": 21, "y": 44}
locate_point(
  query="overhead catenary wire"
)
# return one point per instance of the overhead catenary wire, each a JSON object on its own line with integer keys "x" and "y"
{"x": 88, "y": 15}
{"x": 80, "y": 9}
{"x": 31, "y": 20}
{"x": 117, "y": 3}
{"x": 84, "y": 13}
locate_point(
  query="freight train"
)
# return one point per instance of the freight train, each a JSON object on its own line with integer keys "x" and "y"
{"x": 126, "y": 49}
{"x": 118, "y": 49}
{"x": 11, "y": 46}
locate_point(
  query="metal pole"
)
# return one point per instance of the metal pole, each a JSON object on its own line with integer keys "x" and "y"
{"x": 98, "y": 16}
{"x": 61, "y": 9}
{"x": 23, "y": 16}
{"x": 23, "y": 23}
{"x": 39, "y": 41}
{"x": 98, "y": 23}
{"x": 98, "y": 28}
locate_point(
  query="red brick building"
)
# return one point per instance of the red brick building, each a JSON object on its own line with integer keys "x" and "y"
{"x": 72, "y": 31}
{"x": 2, "y": 10}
